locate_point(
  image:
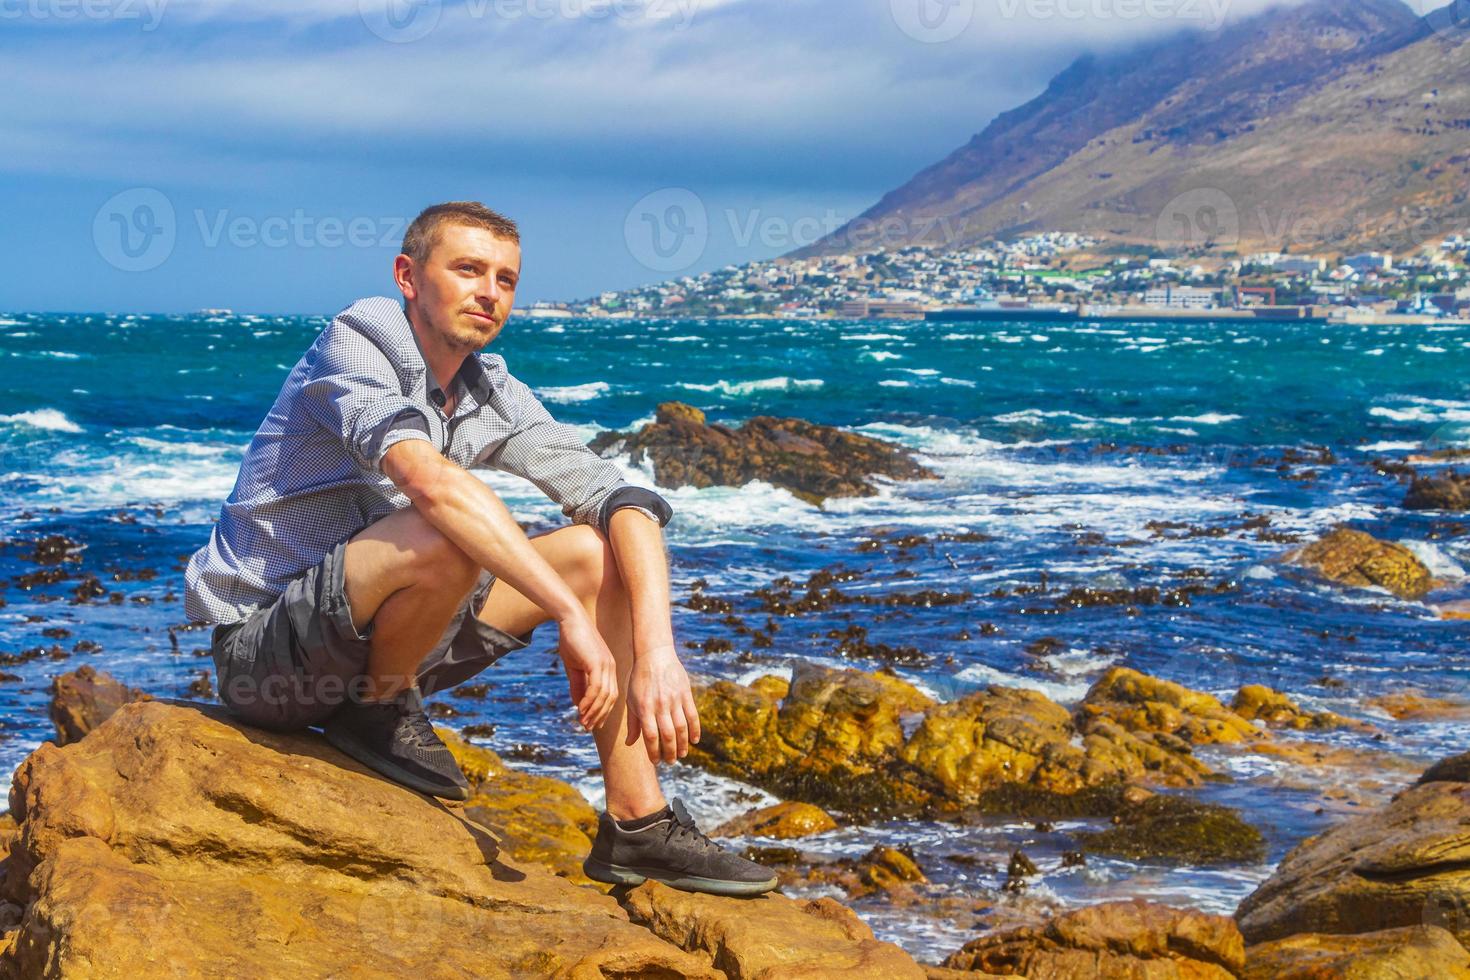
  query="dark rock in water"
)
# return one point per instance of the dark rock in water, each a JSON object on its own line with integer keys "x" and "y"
{"x": 1356, "y": 558}
{"x": 85, "y": 698}
{"x": 813, "y": 461}
{"x": 54, "y": 549}
{"x": 1455, "y": 769}
{"x": 1020, "y": 868}
{"x": 200, "y": 687}
{"x": 1447, "y": 491}
{"x": 1135, "y": 939}
{"x": 1171, "y": 828}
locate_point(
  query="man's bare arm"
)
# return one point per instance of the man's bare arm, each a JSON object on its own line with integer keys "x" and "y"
{"x": 471, "y": 515}
{"x": 660, "y": 704}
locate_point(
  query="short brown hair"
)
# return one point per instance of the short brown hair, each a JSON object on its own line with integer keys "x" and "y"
{"x": 423, "y": 234}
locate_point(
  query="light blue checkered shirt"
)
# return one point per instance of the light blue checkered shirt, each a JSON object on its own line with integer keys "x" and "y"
{"x": 312, "y": 475}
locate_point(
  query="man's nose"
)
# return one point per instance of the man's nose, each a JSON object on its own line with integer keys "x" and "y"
{"x": 489, "y": 290}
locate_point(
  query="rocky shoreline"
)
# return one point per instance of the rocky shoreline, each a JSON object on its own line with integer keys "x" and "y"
{"x": 161, "y": 833}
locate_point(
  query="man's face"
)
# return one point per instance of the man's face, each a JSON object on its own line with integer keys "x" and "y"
{"x": 463, "y": 292}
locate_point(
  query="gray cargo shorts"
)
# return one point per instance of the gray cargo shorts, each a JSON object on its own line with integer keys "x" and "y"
{"x": 290, "y": 664}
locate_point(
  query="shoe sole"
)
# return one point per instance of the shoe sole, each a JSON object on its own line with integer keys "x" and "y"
{"x": 345, "y": 743}
{"x": 612, "y": 874}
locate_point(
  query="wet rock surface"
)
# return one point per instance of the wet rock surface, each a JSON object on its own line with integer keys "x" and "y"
{"x": 1446, "y": 491}
{"x": 1427, "y": 952}
{"x": 1356, "y": 558}
{"x": 812, "y": 461}
{"x": 1134, "y": 939}
{"x": 1385, "y": 869}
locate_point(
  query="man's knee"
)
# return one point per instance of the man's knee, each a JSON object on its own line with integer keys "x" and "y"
{"x": 433, "y": 558}
{"x": 589, "y": 564}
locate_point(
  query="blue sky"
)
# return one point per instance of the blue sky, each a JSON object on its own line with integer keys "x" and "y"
{"x": 264, "y": 155}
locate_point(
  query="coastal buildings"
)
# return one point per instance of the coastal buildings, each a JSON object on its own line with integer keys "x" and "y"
{"x": 1058, "y": 271}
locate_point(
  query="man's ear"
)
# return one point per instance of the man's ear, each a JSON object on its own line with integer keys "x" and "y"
{"x": 403, "y": 275}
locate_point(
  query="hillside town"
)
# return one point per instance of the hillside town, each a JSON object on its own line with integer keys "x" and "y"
{"x": 1060, "y": 274}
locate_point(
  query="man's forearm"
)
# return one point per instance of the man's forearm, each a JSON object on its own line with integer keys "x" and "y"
{"x": 638, "y": 546}
{"x": 471, "y": 515}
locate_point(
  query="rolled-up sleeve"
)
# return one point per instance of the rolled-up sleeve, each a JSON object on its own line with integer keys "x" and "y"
{"x": 356, "y": 396}
{"x": 553, "y": 457}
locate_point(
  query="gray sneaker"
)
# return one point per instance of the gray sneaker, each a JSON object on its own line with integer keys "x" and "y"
{"x": 668, "y": 847}
{"x": 396, "y": 739}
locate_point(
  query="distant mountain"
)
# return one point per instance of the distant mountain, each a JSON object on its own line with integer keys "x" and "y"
{"x": 1336, "y": 124}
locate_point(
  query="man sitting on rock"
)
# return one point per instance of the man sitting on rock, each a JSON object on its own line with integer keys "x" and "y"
{"x": 358, "y": 565}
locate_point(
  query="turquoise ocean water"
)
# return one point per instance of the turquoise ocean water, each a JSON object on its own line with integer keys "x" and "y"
{"x": 1125, "y": 455}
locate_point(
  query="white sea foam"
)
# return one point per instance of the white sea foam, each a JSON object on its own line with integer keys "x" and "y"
{"x": 686, "y": 339}
{"x": 1440, "y": 565}
{"x": 920, "y": 372}
{"x": 981, "y": 675}
{"x": 572, "y": 394}
{"x": 872, "y": 336}
{"x": 1209, "y": 418}
{"x": 742, "y": 388}
{"x": 43, "y": 418}
{"x": 880, "y": 355}
{"x": 1388, "y": 446}
{"x": 890, "y": 383}
{"x": 63, "y": 355}
{"x": 957, "y": 381}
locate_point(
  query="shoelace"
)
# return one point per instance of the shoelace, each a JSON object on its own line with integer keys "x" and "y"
{"x": 419, "y": 729}
{"x": 683, "y": 826}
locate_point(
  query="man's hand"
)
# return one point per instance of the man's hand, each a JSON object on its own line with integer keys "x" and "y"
{"x": 592, "y": 673}
{"x": 660, "y": 705}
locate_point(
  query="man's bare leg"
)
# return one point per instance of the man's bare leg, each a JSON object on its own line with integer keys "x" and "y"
{"x": 583, "y": 558}
{"x": 407, "y": 579}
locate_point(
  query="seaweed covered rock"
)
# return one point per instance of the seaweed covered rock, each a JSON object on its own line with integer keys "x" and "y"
{"x": 1134, "y": 939}
{"x": 812, "y": 461}
{"x": 1140, "y": 703}
{"x": 1177, "y": 830}
{"x": 1356, "y": 558}
{"x": 1381, "y": 870}
{"x": 1410, "y": 951}
{"x": 1446, "y": 491}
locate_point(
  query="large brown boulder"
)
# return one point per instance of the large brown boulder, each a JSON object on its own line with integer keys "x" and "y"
{"x": 83, "y": 699}
{"x": 1257, "y": 702}
{"x": 812, "y": 461}
{"x": 1356, "y": 558}
{"x": 171, "y": 841}
{"x": 1447, "y": 491}
{"x": 1140, "y": 703}
{"x": 783, "y": 821}
{"x": 836, "y": 739}
{"x": 1397, "y": 866}
{"x": 770, "y": 936}
{"x": 1410, "y": 952}
{"x": 1001, "y": 738}
{"x": 1136, "y": 940}
{"x": 832, "y": 739}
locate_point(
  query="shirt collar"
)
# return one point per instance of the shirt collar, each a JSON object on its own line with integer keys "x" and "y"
{"x": 471, "y": 374}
